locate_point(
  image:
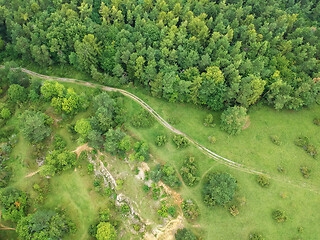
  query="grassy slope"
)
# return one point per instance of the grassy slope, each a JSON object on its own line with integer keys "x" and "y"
{"x": 253, "y": 148}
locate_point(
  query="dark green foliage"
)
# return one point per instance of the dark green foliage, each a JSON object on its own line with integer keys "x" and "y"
{"x": 125, "y": 208}
{"x": 95, "y": 139}
{"x": 34, "y": 126}
{"x": 17, "y": 94}
{"x": 233, "y": 119}
{"x": 5, "y": 175}
{"x": 304, "y": 143}
{"x": 44, "y": 224}
{"x": 218, "y": 189}
{"x": 279, "y": 215}
{"x": 190, "y": 172}
{"x": 57, "y": 161}
{"x": 167, "y": 174}
{"x": 141, "y": 149}
{"x": 172, "y": 211}
{"x": 161, "y": 140}
{"x": 255, "y": 236}
{"x": 142, "y": 119}
{"x": 185, "y": 234}
{"x": 180, "y": 141}
{"x": 145, "y": 188}
{"x": 263, "y": 180}
{"x": 305, "y": 171}
{"x": 15, "y": 204}
{"x": 275, "y": 139}
{"x": 59, "y": 143}
{"x": 90, "y": 168}
{"x": 190, "y": 209}
{"x": 113, "y": 139}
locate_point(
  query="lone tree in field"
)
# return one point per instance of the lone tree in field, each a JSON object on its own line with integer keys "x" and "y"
{"x": 233, "y": 119}
{"x": 218, "y": 189}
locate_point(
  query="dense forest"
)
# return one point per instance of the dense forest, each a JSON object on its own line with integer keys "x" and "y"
{"x": 214, "y": 53}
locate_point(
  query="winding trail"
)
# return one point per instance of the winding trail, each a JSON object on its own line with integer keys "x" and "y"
{"x": 202, "y": 148}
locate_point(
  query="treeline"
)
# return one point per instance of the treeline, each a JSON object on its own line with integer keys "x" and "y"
{"x": 214, "y": 53}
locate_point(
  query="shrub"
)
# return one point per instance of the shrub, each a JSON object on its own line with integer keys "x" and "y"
{"x": 145, "y": 188}
{"x": 208, "y": 121}
{"x": 263, "y": 180}
{"x": 163, "y": 212}
{"x": 161, "y": 140}
{"x": 180, "y": 141}
{"x": 142, "y": 119}
{"x": 125, "y": 208}
{"x": 185, "y": 234}
{"x": 167, "y": 173}
{"x": 5, "y": 113}
{"x": 90, "y": 168}
{"x": 305, "y": 171}
{"x": 136, "y": 227}
{"x": 275, "y": 139}
{"x": 190, "y": 172}
{"x": 233, "y": 119}
{"x": 316, "y": 121}
{"x": 218, "y": 189}
{"x": 255, "y": 236}
{"x": 304, "y": 143}
{"x": 190, "y": 209}
{"x": 212, "y": 139}
{"x": 279, "y": 215}
{"x": 59, "y": 143}
{"x": 234, "y": 211}
{"x": 172, "y": 211}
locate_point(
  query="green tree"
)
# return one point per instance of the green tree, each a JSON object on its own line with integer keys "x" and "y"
{"x": 233, "y": 119}
{"x": 218, "y": 189}
{"x": 83, "y": 127}
{"x": 44, "y": 224}
{"x": 113, "y": 140}
{"x": 57, "y": 161}
{"x": 105, "y": 231}
{"x": 185, "y": 234}
{"x": 5, "y": 113}
{"x": 16, "y": 93}
{"x": 50, "y": 90}
{"x": 34, "y": 126}
{"x": 15, "y": 204}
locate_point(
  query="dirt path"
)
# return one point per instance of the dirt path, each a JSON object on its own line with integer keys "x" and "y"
{"x": 82, "y": 148}
{"x": 202, "y": 148}
{"x": 32, "y": 174}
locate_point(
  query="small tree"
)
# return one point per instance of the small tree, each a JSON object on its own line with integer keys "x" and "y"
{"x": 233, "y": 119}
{"x": 105, "y": 231}
{"x": 5, "y": 113}
{"x": 83, "y": 127}
{"x": 218, "y": 189}
{"x": 34, "y": 126}
{"x": 17, "y": 93}
{"x": 185, "y": 234}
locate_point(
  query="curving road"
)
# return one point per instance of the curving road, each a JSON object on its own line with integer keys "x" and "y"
{"x": 202, "y": 148}
{"x": 206, "y": 151}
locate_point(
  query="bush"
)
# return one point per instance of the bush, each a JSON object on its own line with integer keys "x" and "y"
{"x": 208, "y": 121}
{"x": 190, "y": 209}
{"x": 145, "y": 188}
{"x": 163, "y": 212}
{"x": 263, "y": 180}
{"x": 180, "y": 141}
{"x": 304, "y": 143}
{"x": 234, "y": 211}
{"x": 90, "y": 168}
{"x": 185, "y": 234}
{"x": 5, "y": 113}
{"x": 279, "y": 215}
{"x": 125, "y": 208}
{"x": 59, "y": 143}
{"x": 275, "y": 139}
{"x": 218, "y": 189}
{"x": 212, "y": 139}
{"x": 161, "y": 140}
{"x": 233, "y": 119}
{"x": 305, "y": 171}
{"x": 172, "y": 211}
{"x": 142, "y": 119}
{"x": 190, "y": 172}
{"x": 255, "y": 236}
{"x": 316, "y": 121}
{"x": 168, "y": 175}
